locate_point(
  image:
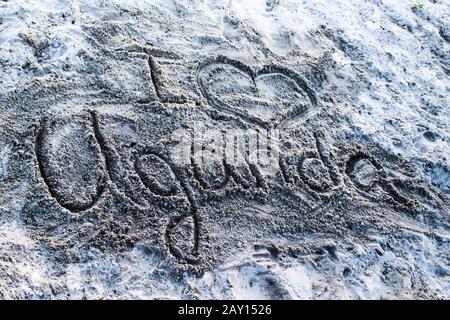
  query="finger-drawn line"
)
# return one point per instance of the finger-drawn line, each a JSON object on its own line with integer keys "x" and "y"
{"x": 156, "y": 75}
{"x": 109, "y": 155}
{"x": 272, "y": 69}
{"x": 41, "y": 138}
{"x": 381, "y": 178}
{"x": 151, "y": 183}
{"x": 180, "y": 176}
{"x": 198, "y": 172}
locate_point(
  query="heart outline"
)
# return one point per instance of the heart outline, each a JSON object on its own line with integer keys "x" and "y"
{"x": 269, "y": 69}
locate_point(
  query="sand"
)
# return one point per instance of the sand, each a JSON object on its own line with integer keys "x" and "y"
{"x": 224, "y": 149}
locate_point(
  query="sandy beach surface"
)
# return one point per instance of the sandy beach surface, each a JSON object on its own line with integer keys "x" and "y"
{"x": 175, "y": 149}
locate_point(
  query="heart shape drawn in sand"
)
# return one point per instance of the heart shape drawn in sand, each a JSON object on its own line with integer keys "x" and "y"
{"x": 269, "y": 95}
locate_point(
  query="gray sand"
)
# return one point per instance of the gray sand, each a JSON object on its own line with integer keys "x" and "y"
{"x": 106, "y": 191}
